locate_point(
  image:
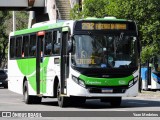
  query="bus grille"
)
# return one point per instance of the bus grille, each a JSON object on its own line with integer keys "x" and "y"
{"x": 104, "y": 90}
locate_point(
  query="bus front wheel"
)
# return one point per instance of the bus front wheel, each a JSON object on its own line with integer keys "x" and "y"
{"x": 114, "y": 101}
{"x": 62, "y": 100}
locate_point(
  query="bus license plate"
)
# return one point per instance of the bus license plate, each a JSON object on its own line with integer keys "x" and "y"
{"x": 107, "y": 90}
{"x": 0, "y": 83}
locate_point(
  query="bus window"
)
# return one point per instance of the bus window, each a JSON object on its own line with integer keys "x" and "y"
{"x": 18, "y": 46}
{"x": 12, "y": 47}
{"x": 56, "y": 41}
{"x": 32, "y": 48}
{"x": 25, "y": 47}
{"x": 48, "y": 44}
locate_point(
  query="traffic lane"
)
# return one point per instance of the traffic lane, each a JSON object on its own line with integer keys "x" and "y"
{"x": 128, "y": 104}
{"x": 12, "y": 101}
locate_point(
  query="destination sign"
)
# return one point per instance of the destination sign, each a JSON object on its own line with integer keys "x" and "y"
{"x": 103, "y": 26}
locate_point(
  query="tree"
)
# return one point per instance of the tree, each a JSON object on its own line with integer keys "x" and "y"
{"x": 3, "y": 37}
{"x": 6, "y": 28}
{"x": 91, "y": 8}
{"x": 75, "y": 13}
{"x": 95, "y": 8}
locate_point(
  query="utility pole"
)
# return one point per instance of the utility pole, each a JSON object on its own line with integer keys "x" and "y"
{"x": 14, "y": 21}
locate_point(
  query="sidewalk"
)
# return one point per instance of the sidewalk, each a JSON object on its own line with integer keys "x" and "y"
{"x": 149, "y": 94}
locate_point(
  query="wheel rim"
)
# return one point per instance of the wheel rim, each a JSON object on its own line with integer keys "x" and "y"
{"x": 25, "y": 95}
{"x": 58, "y": 94}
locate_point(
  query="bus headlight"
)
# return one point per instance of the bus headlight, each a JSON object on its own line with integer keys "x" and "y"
{"x": 78, "y": 81}
{"x": 132, "y": 82}
{"x": 81, "y": 83}
{"x": 75, "y": 79}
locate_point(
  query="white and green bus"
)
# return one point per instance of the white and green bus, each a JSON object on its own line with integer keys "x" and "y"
{"x": 75, "y": 60}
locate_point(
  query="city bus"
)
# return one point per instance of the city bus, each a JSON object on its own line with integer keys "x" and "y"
{"x": 75, "y": 60}
{"x": 150, "y": 74}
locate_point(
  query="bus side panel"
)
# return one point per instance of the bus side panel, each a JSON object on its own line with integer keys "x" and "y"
{"x": 53, "y": 70}
{"x": 31, "y": 76}
{"x": 27, "y": 68}
{"x": 15, "y": 77}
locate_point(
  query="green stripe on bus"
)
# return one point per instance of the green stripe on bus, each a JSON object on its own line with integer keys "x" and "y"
{"x": 28, "y": 69}
{"x": 106, "y": 81}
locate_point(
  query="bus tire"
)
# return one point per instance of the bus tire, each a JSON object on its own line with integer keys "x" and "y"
{"x": 140, "y": 85}
{"x": 28, "y": 99}
{"x": 37, "y": 100}
{"x": 62, "y": 100}
{"x": 77, "y": 100}
{"x": 115, "y": 101}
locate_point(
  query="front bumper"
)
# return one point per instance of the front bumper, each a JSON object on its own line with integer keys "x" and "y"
{"x": 73, "y": 89}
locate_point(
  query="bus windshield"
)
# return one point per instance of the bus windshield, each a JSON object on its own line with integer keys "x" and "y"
{"x": 104, "y": 51}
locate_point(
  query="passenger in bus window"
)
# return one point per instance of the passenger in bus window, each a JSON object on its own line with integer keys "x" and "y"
{"x": 22, "y": 53}
{"x": 57, "y": 48}
{"x": 33, "y": 51}
{"x": 49, "y": 49}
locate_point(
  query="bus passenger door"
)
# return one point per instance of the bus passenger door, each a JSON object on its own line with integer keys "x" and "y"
{"x": 39, "y": 63}
{"x": 64, "y": 66}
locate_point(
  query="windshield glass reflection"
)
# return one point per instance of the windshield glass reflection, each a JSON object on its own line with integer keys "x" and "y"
{"x": 104, "y": 51}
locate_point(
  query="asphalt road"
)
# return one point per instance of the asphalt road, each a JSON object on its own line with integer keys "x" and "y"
{"x": 147, "y": 101}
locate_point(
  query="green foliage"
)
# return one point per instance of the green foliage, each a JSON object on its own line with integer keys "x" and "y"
{"x": 6, "y": 28}
{"x": 146, "y": 13}
{"x": 148, "y": 52}
{"x": 21, "y": 20}
{"x": 91, "y": 8}
{"x": 75, "y": 13}
{"x": 94, "y": 8}
{"x": 3, "y": 37}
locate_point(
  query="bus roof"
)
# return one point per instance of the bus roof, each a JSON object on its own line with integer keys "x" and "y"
{"x": 104, "y": 19}
{"x": 35, "y": 29}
